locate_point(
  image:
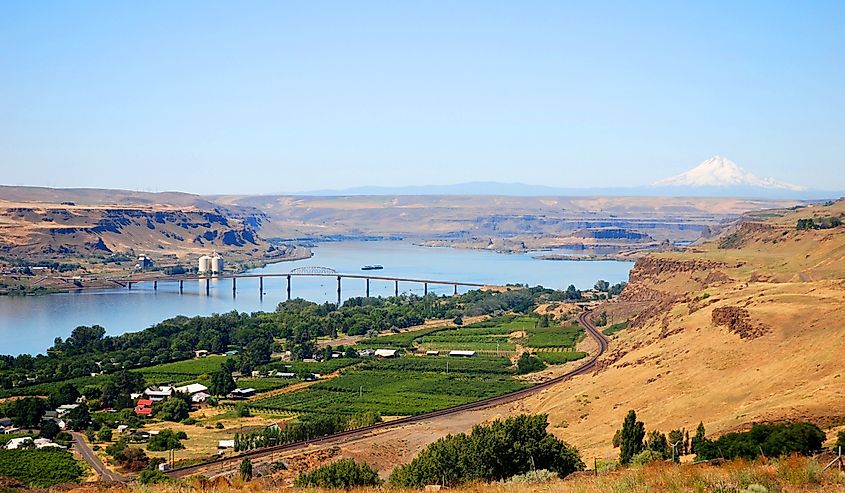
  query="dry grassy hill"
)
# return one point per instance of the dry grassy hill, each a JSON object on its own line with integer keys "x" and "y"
{"x": 749, "y": 327}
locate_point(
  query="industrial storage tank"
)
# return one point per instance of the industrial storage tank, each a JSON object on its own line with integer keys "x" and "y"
{"x": 204, "y": 264}
{"x": 216, "y": 264}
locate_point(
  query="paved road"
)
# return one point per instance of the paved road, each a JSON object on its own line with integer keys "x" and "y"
{"x": 216, "y": 466}
{"x": 81, "y": 446}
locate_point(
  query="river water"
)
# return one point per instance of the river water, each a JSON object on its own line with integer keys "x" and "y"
{"x": 30, "y": 324}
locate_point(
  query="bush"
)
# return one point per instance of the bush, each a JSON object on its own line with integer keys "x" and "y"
{"x": 646, "y": 456}
{"x": 528, "y": 363}
{"x": 533, "y": 477}
{"x": 133, "y": 459}
{"x": 841, "y": 441}
{"x": 773, "y": 440}
{"x": 152, "y": 476}
{"x": 345, "y": 473}
{"x": 503, "y": 449}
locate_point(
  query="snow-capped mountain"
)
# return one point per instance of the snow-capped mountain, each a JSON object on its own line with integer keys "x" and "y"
{"x": 724, "y": 173}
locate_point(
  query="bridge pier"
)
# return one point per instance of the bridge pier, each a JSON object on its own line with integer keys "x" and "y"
{"x": 396, "y": 288}
{"x": 234, "y": 286}
{"x": 368, "y": 287}
{"x": 261, "y": 287}
{"x": 425, "y": 289}
{"x": 129, "y": 285}
{"x": 288, "y": 287}
{"x": 207, "y": 286}
{"x": 181, "y": 286}
{"x": 456, "y": 289}
{"x": 338, "y": 291}
{"x": 155, "y": 285}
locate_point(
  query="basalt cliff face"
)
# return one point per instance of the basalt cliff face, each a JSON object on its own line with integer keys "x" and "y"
{"x": 745, "y": 328}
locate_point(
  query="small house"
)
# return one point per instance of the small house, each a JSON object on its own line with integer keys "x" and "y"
{"x": 387, "y": 353}
{"x": 5, "y": 422}
{"x": 462, "y": 354}
{"x": 65, "y": 408}
{"x": 224, "y": 444}
{"x": 200, "y": 353}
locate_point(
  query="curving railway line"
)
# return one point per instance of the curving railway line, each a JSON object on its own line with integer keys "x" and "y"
{"x": 350, "y": 435}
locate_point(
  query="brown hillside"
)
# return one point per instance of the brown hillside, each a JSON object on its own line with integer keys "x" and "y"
{"x": 749, "y": 327}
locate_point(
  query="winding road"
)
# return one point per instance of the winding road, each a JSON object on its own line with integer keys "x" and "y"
{"x": 82, "y": 447}
{"x": 351, "y": 435}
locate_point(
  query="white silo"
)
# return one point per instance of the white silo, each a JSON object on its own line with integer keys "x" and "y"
{"x": 204, "y": 264}
{"x": 216, "y": 264}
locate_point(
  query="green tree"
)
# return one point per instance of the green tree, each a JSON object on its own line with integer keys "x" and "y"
{"x": 657, "y": 443}
{"x": 840, "y": 442}
{"x": 105, "y": 434}
{"x": 222, "y": 383}
{"x": 66, "y": 393}
{"x": 164, "y": 440}
{"x": 49, "y": 429}
{"x": 27, "y": 412}
{"x": 699, "y": 437}
{"x": 171, "y": 409}
{"x": 246, "y": 469}
{"x": 602, "y": 285}
{"x": 345, "y": 473}
{"x": 633, "y": 433}
{"x": 79, "y": 419}
{"x": 528, "y": 363}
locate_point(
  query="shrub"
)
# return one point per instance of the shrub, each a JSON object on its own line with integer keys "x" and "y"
{"x": 503, "y": 449}
{"x": 646, "y": 456}
{"x": 528, "y": 363}
{"x": 773, "y": 440}
{"x": 152, "y": 476}
{"x": 345, "y": 473}
{"x": 105, "y": 434}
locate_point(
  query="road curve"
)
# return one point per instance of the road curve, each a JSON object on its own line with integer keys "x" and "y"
{"x": 356, "y": 433}
{"x": 81, "y": 446}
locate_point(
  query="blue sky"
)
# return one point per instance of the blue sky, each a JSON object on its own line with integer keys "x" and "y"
{"x": 261, "y": 97}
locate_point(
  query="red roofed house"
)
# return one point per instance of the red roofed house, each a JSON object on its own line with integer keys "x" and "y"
{"x": 143, "y": 408}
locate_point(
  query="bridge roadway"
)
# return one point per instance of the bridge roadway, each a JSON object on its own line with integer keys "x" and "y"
{"x": 217, "y": 466}
{"x": 129, "y": 281}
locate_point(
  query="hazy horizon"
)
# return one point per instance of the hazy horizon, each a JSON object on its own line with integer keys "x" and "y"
{"x": 217, "y": 98}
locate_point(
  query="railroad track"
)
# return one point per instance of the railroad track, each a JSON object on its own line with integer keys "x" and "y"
{"x": 345, "y": 436}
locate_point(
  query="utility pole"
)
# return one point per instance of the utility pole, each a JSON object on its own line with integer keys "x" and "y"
{"x": 838, "y": 460}
{"x": 674, "y": 445}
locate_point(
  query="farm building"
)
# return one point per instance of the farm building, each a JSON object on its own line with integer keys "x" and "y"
{"x": 432, "y": 353}
{"x": 462, "y": 354}
{"x": 191, "y": 389}
{"x": 156, "y": 394}
{"x": 241, "y": 393}
{"x": 387, "y": 353}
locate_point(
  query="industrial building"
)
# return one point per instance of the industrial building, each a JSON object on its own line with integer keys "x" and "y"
{"x": 213, "y": 265}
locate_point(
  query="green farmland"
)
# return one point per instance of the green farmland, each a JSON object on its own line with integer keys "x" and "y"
{"x": 406, "y": 386}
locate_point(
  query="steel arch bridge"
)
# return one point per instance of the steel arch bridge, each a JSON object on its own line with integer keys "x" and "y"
{"x": 314, "y": 271}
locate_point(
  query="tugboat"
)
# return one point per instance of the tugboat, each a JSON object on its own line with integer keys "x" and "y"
{"x": 372, "y": 267}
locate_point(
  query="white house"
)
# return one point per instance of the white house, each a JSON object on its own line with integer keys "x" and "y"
{"x": 464, "y": 354}
{"x": 221, "y": 444}
{"x": 159, "y": 393}
{"x": 14, "y": 443}
{"x": 387, "y": 353}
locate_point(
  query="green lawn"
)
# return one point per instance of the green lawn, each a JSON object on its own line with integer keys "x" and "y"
{"x": 554, "y": 337}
